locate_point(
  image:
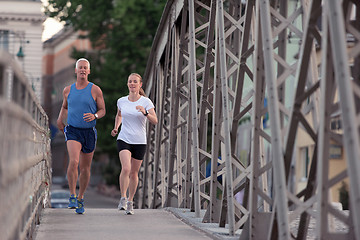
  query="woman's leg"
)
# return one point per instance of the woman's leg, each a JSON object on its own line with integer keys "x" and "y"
{"x": 134, "y": 177}
{"x": 125, "y": 160}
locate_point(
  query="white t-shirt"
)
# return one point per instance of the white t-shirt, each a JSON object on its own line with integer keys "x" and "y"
{"x": 133, "y": 125}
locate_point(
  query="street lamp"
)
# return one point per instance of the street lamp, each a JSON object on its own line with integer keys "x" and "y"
{"x": 4, "y": 41}
{"x": 20, "y": 53}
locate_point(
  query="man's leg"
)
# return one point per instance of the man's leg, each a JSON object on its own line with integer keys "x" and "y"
{"x": 134, "y": 177}
{"x": 74, "y": 149}
{"x": 125, "y": 160}
{"x": 85, "y": 171}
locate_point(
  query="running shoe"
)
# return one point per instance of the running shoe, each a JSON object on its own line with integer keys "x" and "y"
{"x": 129, "y": 208}
{"x": 80, "y": 208}
{"x": 72, "y": 201}
{"x": 122, "y": 203}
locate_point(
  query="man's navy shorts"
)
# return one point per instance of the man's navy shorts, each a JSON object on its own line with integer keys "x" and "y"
{"x": 86, "y": 136}
{"x": 137, "y": 150}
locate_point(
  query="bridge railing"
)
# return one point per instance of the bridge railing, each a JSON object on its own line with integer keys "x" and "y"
{"x": 25, "y": 159}
{"x": 291, "y": 67}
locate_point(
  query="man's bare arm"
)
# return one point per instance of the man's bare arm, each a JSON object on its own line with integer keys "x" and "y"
{"x": 64, "y": 110}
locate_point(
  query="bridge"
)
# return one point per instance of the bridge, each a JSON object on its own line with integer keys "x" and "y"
{"x": 25, "y": 158}
{"x": 246, "y": 93}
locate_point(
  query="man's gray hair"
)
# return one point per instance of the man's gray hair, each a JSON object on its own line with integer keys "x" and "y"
{"x": 81, "y": 59}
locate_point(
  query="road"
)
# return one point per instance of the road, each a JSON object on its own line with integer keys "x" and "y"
{"x": 95, "y": 199}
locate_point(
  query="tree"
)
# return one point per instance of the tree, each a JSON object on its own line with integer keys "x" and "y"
{"x": 121, "y": 32}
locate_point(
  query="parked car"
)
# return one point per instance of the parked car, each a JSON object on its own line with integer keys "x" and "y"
{"x": 59, "y": 198}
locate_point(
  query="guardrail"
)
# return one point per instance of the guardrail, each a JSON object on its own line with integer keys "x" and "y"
{"x": 25, "y": 158}
{"x": 291, "y": 68}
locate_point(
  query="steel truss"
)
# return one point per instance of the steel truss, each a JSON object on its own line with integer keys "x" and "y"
{"x": 213, "y": 64}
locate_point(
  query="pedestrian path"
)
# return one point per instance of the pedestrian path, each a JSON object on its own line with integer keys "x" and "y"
{"x": 102, "y": 219}
{"x": 59, "y": 224}
{"x": 211, "y": 229}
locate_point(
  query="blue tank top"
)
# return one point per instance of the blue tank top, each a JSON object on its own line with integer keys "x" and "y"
{"x": 80, "y": 102}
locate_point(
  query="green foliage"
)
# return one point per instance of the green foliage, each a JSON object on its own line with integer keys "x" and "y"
{"x": 89, "y": 15}
{"x": 121, "y": 32}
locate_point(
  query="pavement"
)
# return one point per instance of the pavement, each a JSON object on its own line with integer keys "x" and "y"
{"x": 210, "y": 229}
{"x": 100, "y": 223}
{"x": 102, "y": 220}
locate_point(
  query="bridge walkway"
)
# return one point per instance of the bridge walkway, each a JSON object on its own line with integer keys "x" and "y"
{"x": 100, "y": 223}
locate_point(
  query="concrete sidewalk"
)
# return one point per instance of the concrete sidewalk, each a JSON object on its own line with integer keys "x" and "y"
{"x": 103, "y": 220}
{"x": 59, "y": 224}
{"x": 210, "y": 229}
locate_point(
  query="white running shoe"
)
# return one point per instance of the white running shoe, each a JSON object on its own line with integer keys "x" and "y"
{"x": 122, "y": 203}
{"x": 129, "y": 208}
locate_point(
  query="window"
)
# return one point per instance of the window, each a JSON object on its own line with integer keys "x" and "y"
{"x": 4, "y": 40}
{"x": 2, "y": 82}
{"x": 304, "y": 161}
{"x": 335, "y": 124}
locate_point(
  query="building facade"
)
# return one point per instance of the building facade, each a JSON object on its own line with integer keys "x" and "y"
{"x": 21, "y": 27}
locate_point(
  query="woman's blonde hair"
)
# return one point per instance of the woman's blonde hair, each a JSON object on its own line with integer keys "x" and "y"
{"x": 141, "y": 91}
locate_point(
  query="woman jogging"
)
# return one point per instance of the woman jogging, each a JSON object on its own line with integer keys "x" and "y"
{"x": 132, "y": 112}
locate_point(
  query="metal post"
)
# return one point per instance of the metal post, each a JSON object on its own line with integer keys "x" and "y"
{"x": 273, "y": 106}
{"x": 226, "y": 120}
{"x": 327, "y": 82}
{"x": 193, "y": 92}
{"x": 342, "y": 77}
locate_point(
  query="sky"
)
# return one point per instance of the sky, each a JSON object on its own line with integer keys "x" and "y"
{"x": 51, "y": 26}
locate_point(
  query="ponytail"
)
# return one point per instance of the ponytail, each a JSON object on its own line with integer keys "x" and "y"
{"x": 142, "y": 93}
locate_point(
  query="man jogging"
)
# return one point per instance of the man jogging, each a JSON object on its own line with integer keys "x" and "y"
{"x": 83, "y": 103}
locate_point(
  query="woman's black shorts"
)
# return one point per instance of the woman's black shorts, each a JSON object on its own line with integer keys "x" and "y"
{"x": 137, "y": 150}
